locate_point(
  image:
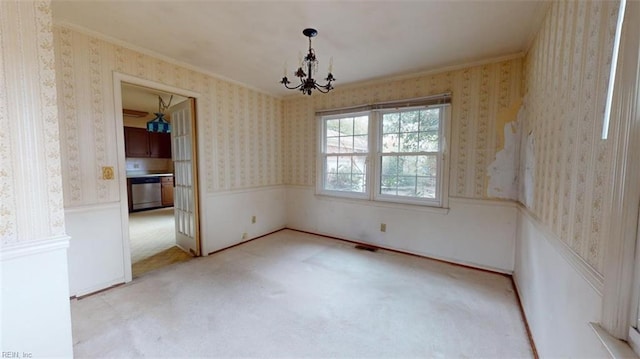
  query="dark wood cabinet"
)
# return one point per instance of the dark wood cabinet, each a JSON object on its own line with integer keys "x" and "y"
{"x": 159, "y": 145}
{"x": 138, "y": 142}
{"x": 167, "y": 190}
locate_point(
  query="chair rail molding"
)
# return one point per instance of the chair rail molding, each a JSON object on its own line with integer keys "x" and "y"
{"x": 625, "y": 130}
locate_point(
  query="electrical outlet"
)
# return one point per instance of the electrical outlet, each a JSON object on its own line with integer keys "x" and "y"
{"x": 253, "y": 219}
{"x": 135, "y": 165}
{"x": 245, "y": 235}
{"x": 107, "y": 173}
{"x": 383, "y": 227}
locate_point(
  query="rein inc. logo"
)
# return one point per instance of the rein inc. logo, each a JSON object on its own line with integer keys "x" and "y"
{"x": 17, "y": 355}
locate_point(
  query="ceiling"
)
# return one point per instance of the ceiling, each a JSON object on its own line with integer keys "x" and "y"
{"x": 250, "y": 41}
{"x": 145, "y": 99}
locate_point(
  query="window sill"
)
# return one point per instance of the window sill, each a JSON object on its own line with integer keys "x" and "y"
{"x": 383, "y": 204}
{"x": 616, "y": 347}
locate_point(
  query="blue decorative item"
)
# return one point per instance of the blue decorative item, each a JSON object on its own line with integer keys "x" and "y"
{"x": 159, "y": 124}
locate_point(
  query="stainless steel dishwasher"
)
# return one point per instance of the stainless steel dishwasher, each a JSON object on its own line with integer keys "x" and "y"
{"x": 146, "y": 192}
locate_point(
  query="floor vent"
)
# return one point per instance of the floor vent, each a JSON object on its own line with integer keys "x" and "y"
{"x": 365, "y": 247}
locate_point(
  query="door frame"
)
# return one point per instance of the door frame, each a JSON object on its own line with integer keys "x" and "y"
{"x": 118, "y": 80}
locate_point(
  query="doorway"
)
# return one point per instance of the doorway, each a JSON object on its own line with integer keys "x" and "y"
{"x": 158, "y": 174}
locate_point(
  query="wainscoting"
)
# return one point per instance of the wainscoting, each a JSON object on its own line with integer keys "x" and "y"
{"x": 558, "y": 300}
{"x": 227, "y": 216}
{"x": 477, "y": 233}
{"x": 36, "y": 320}
{"x": 96, "y": 252}
{"x": 97, "y": 256}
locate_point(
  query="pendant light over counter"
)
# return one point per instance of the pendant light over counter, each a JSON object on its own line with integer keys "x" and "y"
{"x": 159, "y": 124}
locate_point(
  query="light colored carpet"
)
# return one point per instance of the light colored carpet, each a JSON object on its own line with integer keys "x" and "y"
{"x": 297, "y": 295}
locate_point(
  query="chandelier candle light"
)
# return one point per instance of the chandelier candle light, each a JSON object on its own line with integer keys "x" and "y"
{"x": 310, "y": 63}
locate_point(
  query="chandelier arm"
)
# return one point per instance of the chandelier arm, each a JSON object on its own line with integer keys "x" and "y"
{"x": 320, "y": 88}
{"x": 293, "y": 88}
{"x": 326, "y": 86}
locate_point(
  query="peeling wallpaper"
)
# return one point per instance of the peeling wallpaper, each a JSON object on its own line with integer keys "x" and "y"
{"x": 31, "y": 197}
{"x": 483, "y": 101}
{"x": 566, "y": 78}
{"x": 504, "y": 171}
{"x": 243, "y": 127}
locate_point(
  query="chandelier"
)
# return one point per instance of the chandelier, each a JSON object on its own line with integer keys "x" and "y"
{"x": 310, "y": 63}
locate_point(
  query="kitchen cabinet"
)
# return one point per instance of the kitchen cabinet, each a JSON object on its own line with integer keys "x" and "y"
{"x": 159, "y": 145}
{"x": 167, "y": 191}
{"x": 138, "y": 142}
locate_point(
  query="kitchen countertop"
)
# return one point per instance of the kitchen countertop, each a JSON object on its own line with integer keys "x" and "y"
{"x": 147, "y": 174}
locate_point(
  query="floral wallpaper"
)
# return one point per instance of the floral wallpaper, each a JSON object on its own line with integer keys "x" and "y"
{"x": 566, "y": 77}
{"x": 31, "y": 205}
{"x": 481, "y": 95}
{"x": 242, "y": 127}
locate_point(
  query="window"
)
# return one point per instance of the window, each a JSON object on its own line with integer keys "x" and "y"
{"x": 393, "y": 155}
{"x": 345, "y": 152}
{"x": 409, "y": 154}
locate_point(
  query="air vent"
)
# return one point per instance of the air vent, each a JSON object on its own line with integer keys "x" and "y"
{"x": 364, "y": 247}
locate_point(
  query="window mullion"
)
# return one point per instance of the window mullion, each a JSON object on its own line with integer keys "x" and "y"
{"x": 374, "y": 141}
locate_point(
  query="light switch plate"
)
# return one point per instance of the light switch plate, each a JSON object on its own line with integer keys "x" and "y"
{"x": 107, "y": 173}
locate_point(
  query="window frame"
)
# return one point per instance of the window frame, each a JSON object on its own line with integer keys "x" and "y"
{"x": 440, "y": 154}
{"x": 373, "y": 175}
{"x": 321, "y": 163}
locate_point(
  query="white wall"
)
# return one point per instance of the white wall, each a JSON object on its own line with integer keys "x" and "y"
{"x": 478, "y": 233}
{"x": 227, "y": 215}
{"x": 558, "y": 301}
{"x": 96, "y": 253}
{"x": 36, "y": 318}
